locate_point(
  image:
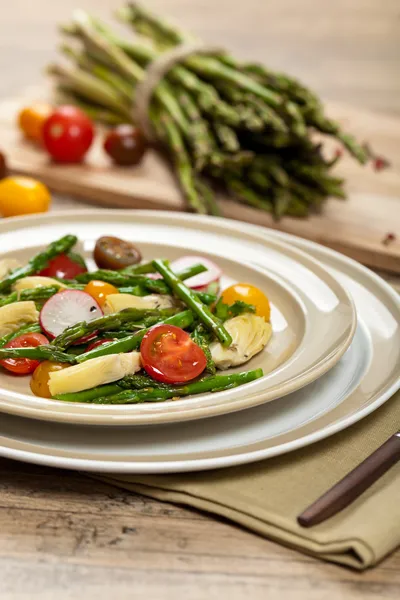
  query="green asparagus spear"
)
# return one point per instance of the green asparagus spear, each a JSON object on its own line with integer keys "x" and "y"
{"x": 135, "y": 290}
{"x": 90, "y": 395}
{"x": 30, "y": 328}
{"x": 205, "y": 385}
{"x": 138, "y": 290}
{"x": 127, "y": 279}
{"x": 132, "y": 342}
{"x": 205, "y": 297}
{"x": 113, "y": 321}
{"x": 141, "y": 269}
{"x": 201, "y": 337}
{"x": 130, "y": 382}
{"x": 40, "y": 293}
{"x": 193, "y": 302}
{"x": 172, "y": 138}
{"x": 95, "y": 112}
{"x": 10, "y": 299}
{"x": 141, "y": 381}
{"x": 131, "y": 327}
{"x": 40, "y": 261}
{"x": 90, "y": 88}
{"x": 47, "y": 352}
{"x": 123, "y": 280}
{"x": 120, "y": 334}
{"x": 190, "y": 271}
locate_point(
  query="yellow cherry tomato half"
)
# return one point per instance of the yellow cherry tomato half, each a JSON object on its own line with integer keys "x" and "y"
{"x": 31, "y": 119}
{"x": 41, "y": 377}
{"x": 99, "y": 290}
{"x": 23, "y": 196}
{"x": 249, "y": 294}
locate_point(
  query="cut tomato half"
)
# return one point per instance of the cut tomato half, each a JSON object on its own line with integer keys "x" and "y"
{"x": 170, "y": 355}
{"x": 23, "y": 366}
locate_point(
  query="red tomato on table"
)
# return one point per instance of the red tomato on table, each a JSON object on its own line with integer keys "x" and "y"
{"x": 23, "y": 366}
{"x": 169, "y": 355}
{"x": 67, "y": 134}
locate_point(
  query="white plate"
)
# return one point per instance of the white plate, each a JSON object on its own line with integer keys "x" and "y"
{"x": 313, "y": 317}
{"x": 367, "y": 376}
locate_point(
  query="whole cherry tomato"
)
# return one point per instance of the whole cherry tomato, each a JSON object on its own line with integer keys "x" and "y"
{"x": 68, "y": 134}
{"x": 62, "y": 267}
{"x": 41, "y": 377}
{"x": 31, "y": 120}
{"x": 23, "y": 366}
{"x": 99, "y": 290}
{"x": 169, "y": 355}
{"x": 23, "y": 196}
{"x": 125, "y": 144}
{"x": 251, "y": 295}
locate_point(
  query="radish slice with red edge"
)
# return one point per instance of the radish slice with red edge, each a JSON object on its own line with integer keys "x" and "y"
{"x": 202, "y": 280}
{"x": 67, "y": 308}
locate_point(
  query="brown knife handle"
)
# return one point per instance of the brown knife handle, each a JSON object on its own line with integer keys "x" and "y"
{"x": 353, "y": 484}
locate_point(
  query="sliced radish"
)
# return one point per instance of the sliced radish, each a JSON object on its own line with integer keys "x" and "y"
{"x": 198, "y": 282}
{"x": 67, "y": 308}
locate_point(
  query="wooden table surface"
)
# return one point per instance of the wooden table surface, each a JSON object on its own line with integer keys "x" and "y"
{"x": 63, "y": 535}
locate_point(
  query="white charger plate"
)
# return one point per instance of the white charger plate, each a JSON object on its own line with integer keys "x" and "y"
{"x": 366, "y": 377}
{"x": 313, "y": 317}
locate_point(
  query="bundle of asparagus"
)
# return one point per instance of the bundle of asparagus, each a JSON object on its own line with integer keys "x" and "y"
{"x": 225, "y": 125}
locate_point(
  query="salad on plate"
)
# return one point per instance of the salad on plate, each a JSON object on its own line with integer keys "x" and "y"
{"x": 130, "y": 331}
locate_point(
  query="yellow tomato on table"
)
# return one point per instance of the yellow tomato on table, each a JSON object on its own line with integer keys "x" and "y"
{"x": 99, "y": 290}
{"x": 31, "y": 119}
{"x": 23, "y": 196}
{"x": 250, "y": 294}
{"x": 41, "y": 377}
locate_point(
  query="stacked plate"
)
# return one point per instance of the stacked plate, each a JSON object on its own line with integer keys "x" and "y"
{"x": 333, "y": 359}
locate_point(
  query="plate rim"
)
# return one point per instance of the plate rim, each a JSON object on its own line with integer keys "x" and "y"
{"x": 101, "y": 418}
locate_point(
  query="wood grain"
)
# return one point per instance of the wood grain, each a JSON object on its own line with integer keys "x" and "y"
{"x": 65, "y": 536}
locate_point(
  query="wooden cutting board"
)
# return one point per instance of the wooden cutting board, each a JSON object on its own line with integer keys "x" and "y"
{"x": 356, "y": 227}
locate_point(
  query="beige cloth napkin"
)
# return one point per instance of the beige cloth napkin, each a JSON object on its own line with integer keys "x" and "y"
{"x": 267, "y": 496}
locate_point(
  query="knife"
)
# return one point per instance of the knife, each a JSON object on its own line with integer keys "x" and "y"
{"x": 353, "y": 484}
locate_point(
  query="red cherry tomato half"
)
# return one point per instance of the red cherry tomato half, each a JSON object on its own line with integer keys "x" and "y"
{"x": 99, "y": 343}
{"x": 170, "y": 356}
{"x": 23, "y": 366}
{"x": 67, "y": 134}
{"x": 62, "y": 267}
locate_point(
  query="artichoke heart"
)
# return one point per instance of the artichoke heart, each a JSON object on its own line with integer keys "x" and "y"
{"x": 250, "y": 334}
{"x": 7, "y": 265}
{"x": 94, "y": 372}
{"x": 117, "y": 302}
{"x": 13, "y": 316}
{"x": 36, "y": 281}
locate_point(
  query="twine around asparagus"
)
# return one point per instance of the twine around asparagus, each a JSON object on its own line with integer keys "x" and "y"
{"x": 154, "y": 73}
